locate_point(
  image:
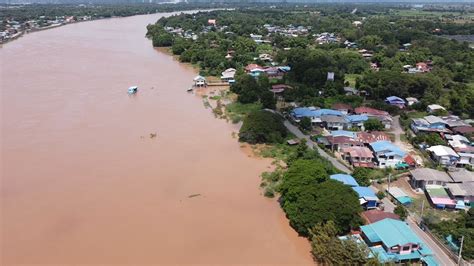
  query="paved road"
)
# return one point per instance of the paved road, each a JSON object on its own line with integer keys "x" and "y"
{"x": 293, "y": 129}
{"x": 439, "y": 253}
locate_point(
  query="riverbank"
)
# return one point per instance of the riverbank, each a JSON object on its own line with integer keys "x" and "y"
{"x": 98, "y": 189}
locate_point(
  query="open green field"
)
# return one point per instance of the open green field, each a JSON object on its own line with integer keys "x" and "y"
{"x": 431, "y": 14}
{"x": 351, "y": 78}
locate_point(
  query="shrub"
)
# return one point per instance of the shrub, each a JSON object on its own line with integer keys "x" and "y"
{"x": 262, "y": 127}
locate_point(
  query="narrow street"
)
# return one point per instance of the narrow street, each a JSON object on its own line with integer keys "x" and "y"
{"x": 293, "y": 129}
{"x": 439, "y": 254}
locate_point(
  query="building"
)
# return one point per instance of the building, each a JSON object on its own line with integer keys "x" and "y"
{"x": 342, "y": 107}
{"x": 396, "y": 101}
{"x": 373, "y": 216}
{"x": 463, "y": 192}
{"x": 338, "y": 143}
{"x": 383, "y": 116}
{"x": 387, "y": 154}
{"x": 357, "y": 121}
{"x": 359, "y": 156}
{"x": 334, "y": 122}
{"x": 393, "y": 241}
{"x": 435, "y": 107}
{"x": 371, "y": 137}
{"x": 200, "y": 81}
{"x": 411, "y": 100}
{"x": 429, "y": 123}
{"x": 229, "y": 75}
{"x": 351, "y": 91}
{"x": 461, "y": 176}
{"x": 422, "y": 177}
{"x": 345, "y": 179}
{"x": 439, "y": 198}
{"x": 400, "y": 195}
{"x": 367, "y": 197}
{"x": 313, "y": 113}
{"x": 443, "y": 155}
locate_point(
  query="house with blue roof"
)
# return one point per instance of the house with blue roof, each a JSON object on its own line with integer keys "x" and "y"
{"x": 314, "y": 114}
{"x": 393, "y": 241}
{"x": 396, "y": 101}
{"x": 387, "y": 154}
{"x": 357, "y": 121}
{"x": 367, "y": 197}
{"x": 345, "y": 133}
{"x": 345, "y": 179}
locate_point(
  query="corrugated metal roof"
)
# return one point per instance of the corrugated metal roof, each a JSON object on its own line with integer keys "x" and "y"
{"x": 391, "y": 232}
{"x": 345, "y": 179}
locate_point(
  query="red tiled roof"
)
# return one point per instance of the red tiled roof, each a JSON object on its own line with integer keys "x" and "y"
{"x": 251, "y": 67}
{"x": 464, "y": 129}
{"x": 370, "y": 137}
{"x": 409, "y": 160}
{"x": 342, "y": 140}
{"x": 370, "y": 111}
{"x": 373, "y": 216}
{"x": 359, "y": 152}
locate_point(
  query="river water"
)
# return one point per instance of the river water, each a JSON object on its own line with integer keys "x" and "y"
{"x": 82, "y": 181}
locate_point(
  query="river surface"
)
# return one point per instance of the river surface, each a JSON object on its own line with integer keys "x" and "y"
{"x": 82, "y": 181}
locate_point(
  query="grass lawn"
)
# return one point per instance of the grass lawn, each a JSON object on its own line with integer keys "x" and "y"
{"x": 351, "y": 78}
{"x": 237, "y": 111}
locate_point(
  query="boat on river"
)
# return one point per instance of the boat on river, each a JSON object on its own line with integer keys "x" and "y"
{"x": 132, "y": 90}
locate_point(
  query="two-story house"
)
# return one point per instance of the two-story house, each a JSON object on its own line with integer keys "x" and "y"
{"x": 387, "y": 154}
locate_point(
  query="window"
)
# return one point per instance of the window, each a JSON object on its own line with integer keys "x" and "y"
{"x": 405, "y": 248}
{"x": 390, "y": 157}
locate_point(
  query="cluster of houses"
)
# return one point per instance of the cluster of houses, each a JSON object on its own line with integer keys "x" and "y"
{"x": 457, "y": 134}
{"x": 452, "y": 189}
{"x": 273, "y": 72}
{"x": 14, "y": 29}
{"x": 341, "y": 116}
{"x": 359, "y": 148}
{"x": 420, "y": 67}
{"x": 326, "y": 38}
{"x": 386, "y": 236}
{"x": 288, "y": 31}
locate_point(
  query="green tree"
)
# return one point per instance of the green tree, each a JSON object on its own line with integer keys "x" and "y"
{"x": 362, "y": 175}
{"x": 401, "y": 211}
{"x": 308, "y": 202}
{"x": 328, "y": 249}
{"x": 262, "y": 127}
{"x": 305, "y": 123}
{"x": 373, "y": 124}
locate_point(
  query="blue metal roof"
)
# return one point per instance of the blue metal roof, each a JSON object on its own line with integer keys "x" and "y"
{"x": 346, "y": 179}
{"x": 311, "y": 112}
{"x": 345, "y": 133}
{"x": 391, "y": 232}
{"x": 357, "y": 118}
{"x": 387, "y": 146}
{"x": 394, "y": 99}
{"x": 365, "y": 192}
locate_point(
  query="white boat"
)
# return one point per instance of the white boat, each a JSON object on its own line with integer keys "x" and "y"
{"x": 133, "y": 90}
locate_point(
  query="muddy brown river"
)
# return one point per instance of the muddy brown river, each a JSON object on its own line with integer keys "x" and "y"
{"x": 82, "y": 181}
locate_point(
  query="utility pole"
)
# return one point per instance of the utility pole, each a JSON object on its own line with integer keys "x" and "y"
{"x": 422, "y": 209}
{"x": 460, "y": 251}
{"x": 388, "y": 186}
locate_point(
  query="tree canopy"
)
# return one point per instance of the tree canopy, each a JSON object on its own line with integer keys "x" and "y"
{"x": 262, "y": 127}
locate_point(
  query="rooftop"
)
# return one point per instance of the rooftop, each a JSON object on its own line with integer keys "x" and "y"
{"x": 440, "y": 150}
{"x": 427, "y": 174}
{"x": 390, "y": 232}
{"x": 386, "y": 146}
{"x": 363, "y": 152}
{"x": 374, "y": 136}
{"x": 463, "y": 189}
{"x": 346, "y": 179}
{"x": 462, "y": 175}
{"x": 365, "y": 192}
{"x": 373, "y": 216}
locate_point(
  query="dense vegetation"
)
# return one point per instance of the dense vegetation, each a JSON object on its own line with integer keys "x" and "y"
{"x": 309, "y": 198}
{"x": 262, "y": 127}
{"x": 463, "y": 226}
{"x": 383, "y": 32}
{"x": 328, "y": 249}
